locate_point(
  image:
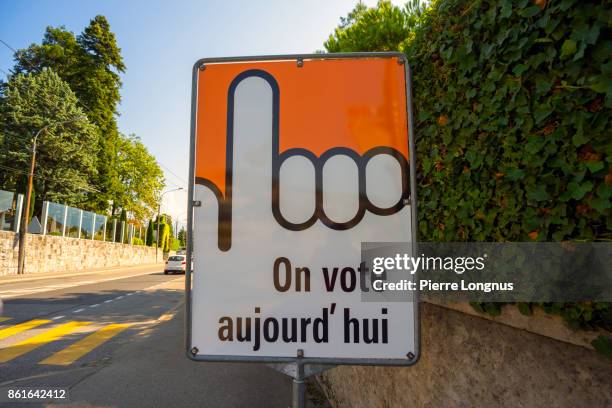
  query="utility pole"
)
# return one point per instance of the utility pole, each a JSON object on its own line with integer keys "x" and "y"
{"x": 158, "y": 217}
{"x": 23, "y": 227}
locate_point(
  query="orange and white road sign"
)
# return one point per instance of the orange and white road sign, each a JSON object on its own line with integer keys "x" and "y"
{"x": 297, "y": 160}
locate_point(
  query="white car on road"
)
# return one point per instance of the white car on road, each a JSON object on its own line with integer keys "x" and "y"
{"x": 176, "y": 263}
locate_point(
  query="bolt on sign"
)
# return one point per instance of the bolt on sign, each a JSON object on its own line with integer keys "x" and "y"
{"x": 295, "y": 161}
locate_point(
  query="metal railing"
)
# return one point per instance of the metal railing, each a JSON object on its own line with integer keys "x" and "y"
{"x": 65, "y": 221}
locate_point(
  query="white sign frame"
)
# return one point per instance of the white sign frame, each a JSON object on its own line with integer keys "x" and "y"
{"x": 192, "y": 352}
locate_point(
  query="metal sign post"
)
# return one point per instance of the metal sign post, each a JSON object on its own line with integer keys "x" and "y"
{"x": 299, "y": 373}
{"x": 296, "y": 160}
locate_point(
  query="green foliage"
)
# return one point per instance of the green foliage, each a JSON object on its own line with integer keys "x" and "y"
{"x": 150, "y": 234}
{"x": 513, "y": 127}
{"x": 90, "y": 63}
{"x": 490, "y": 308}
{"x": 182, "y": 238}
{"x": 513, "y": 135}
{"x": 512, "y": 117}
{"x": 164, "y": 237}
{"x": 125, "y": 174}
{"x": 137, "y": 241}
{"x": 65, "y": 161}
{"x": 141, "y": 178}
{"x": 174, "y": 245}
{"x": 603, "y": 344}
{"x": 381, "y": 28}
{"x": 165, "y": 232}
{"x": 583, "y": 315}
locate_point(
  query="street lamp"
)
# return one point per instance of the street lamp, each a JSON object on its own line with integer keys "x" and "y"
{"x": 23, "y": 227}
{"x": 158, "y": 216}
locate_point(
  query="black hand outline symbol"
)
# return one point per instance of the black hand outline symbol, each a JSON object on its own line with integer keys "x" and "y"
{"x": 365, "y": 204}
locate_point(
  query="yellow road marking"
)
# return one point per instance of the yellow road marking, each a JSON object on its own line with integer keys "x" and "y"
{"x": 77, "y": 350}
{"x": 23, "y": 347}
{"x": 4, "y": 319}
{"x": 18, "y": 328}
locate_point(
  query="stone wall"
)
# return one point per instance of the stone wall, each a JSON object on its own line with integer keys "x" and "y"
{"x": 57, "y": 254}
{"x": 469, "y": 361}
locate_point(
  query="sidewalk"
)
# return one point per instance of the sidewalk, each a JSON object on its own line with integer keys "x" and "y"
{"x": 37, "y": 276}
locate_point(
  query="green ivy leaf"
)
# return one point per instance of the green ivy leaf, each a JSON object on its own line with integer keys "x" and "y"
{"x": 600, "y": 204}
{"x": 595, "y": 166}
{"x": 492, "y": 309}
{"x": 539, "y": 193}
{"x": 515, "y": 174}
{"x": 543, "y": 86}
{"x": 603, "y": 345}
{"x": 525, "y": 309}
{"x": 530, "y": 11}
{"x": 602, "y": 84}
{"x": 568, "y": 48}
{"x": 506, "y": 9}
{"x": 604, "y": 191}
{"x": 577, "y": 191}
{"x": 587, "y": 34}
{"x": 541, "y": 112}
{"x": 579, "y": 137}
{"x": 519, "y": 69}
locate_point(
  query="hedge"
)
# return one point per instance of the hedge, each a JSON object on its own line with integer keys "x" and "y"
{"x": 513, "y": 120}
{"x": 512, "y": 106}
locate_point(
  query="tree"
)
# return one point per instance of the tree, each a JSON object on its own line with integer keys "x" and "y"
{"x": 65, "y": 160}
{"x": 141, "y": 179}
{"x": 163, "y": 222}
{"x": 90, "y": 63}
{"x": 164, "y": 240}
{"x": 150, "y": 234}
{"x": 168, "y": 220}
{"x": 380, "y": 28}
{"x": 182, "y": 238}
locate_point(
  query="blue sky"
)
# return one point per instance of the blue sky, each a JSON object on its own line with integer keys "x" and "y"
{"x": 160, "y": 41}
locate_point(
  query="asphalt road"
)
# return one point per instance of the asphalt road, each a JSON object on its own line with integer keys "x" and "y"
{"x": 115, "y": 339}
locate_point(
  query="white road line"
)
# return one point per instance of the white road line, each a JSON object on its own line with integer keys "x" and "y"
{"x": 16, "y": 290}
{"x": 23, "y": 292}
{"x": 130, "y": 294}
{"x": 96, "y": 305}
{"x": 58, "y": 317}
{"x": 78, "y": 311}
{"x": 119, "y": 297}
{"x": 108, "y": 301}
{"x": 34, "y": 290}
